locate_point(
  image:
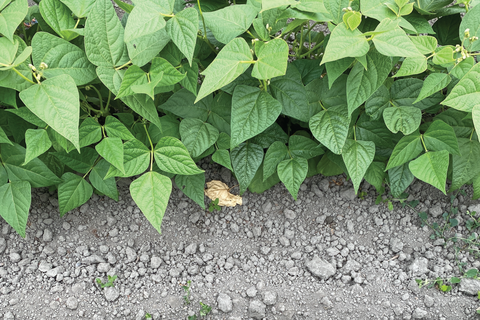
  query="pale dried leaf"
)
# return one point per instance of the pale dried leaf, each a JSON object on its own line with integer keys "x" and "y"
{"x": 219, "y": 190}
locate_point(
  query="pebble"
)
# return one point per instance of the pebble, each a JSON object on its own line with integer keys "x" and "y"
{"x": 44, "y": 266}
{"x": 469, "y": 286}
{"x": 269, "y": 298}
{"x": 419, "y": 313}
{"x": 111, "y": 293}
{"x": 320, "y": 268}
{"x": 103, "y": 267}
{"x": 15, "y": 257}
{"x": 289, "y": 214}
{"x": 155, "y": 262}
{"x": 436, "y": 211}
{"x": 3, "y": 245}
{"x": 348, "y": 194}
{"x": 256, "y": 309}
{"x": 419, "y": 266}
{"x": 252, "y": 292}
{"x": 429, "y": 301}
{"x": 72, "y": 303}
{"x": 47, "y": 235}
{"x": 224, "y": 302}
{"x": 93, "y": 259}
{"x": 191, "y": 249}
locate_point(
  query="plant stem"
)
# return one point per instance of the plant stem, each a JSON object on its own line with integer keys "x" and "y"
{"x": 151, "y": 146}
{"x": 123, "y": 66}
{"x": 96, "y": 161}
{"x": 299, "y": 49}
{"x": 21, "y": 75}
{"x": 99, "y": 98}
{"x": 311, "y": 50}
{"x": 423, "y": 143}
{"x": 321, "y": 105}
{"x": 203, "y": 19}
{"x": 355, "y": 133}
{"x": 76, "y": 24}
{"x": 108, "y": 101}
{"x": 471, "y": 134}
{"x": 265, "y": 85}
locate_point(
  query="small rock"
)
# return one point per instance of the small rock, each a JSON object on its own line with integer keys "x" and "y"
{"x": 252, "y": 292}
{"x": 194, "y": 217}
{"x": 419, "y": 266}
{"x": 234, "y": 227}
{"x": 256, "y": 309}
{"x": 155, "y": 262}
{"x": 324, "y": 185}
{"x": 436, "y": 210}
{"x": 72, "y": 303}
{"x": 429, "y": 301}
{"x": 191, "y": 249}
{"x": 8, "y": 316}
{"x": 289, "y": 214}
{"x": 93, "y": 259}
{"x": 348, "y": 194}
{"x": 396, "y": 245}
{"x": 47, "y": 235}
{"x": 66, "y": 225}
{"x": 326, "y": 302}
{"x": 111, "y": 293}
{"x": 103, "y": 267}
{"x": 3, "y": 245}
{"x": 44, "y": 266}
{"x": 320, "y": 268}
{"x": 470, "y": 286}
{"x": 15, "y": 257}
{"x": 224, "y": 302}
{"x": 131, "y": 255}
{"x": 419, "y": 313}
{"x": 267, "y": 207}
{"x": 270, "y": 298}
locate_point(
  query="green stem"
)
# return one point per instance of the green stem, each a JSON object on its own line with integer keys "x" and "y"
{"x": 167, "y": 15}
{"x": 21, "y": 75}
{"x": 96, "y": 161}
{"x": 321, "y": 105}
{"x": 471, "y": 134}
{"x": 76, "y": 24}
{"x": 354, "y": 133}
{"x": 99, "y": 98}
{"x": 423, "y": 143}
{"x": 103, "y": 132}
{"x": 108, "y": 100}
{"x": 265, "y": 85}
{"x": 311, "y": 50}
{"x": 25, "y": 34}
{"x": 299, "y": 49}
{"x": 151, "y": 146}
{"x": 203, "y": 19}
{"x": 250, "y": 34}
{"x": 123, "y": 66}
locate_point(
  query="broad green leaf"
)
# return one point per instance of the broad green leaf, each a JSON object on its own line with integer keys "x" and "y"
{"x": 375, "y": 175}
{"x": 443, "y": 56}
{"x": 72, "y": 192}
{"x": 261, "y": 29}
{"x": 9, "y": 78}
{"x": 12, "y": 57}
{"x": 253, "y": 111}
{"x": 3, "y": 175}
{"x": 424, "y": 44}
{"x": 144, "y": 106}
{"x": 223, "y": 141}
{"x": 300, "y": 146}
{"x": 246, "y": 159}
{"x": 292, "y": 173}
{"x": 272, "y": 59}
{"x": 222, "y": 157}
{"x": 61, "y": 57}
{"x": 476, "y": 187}
{"x": 461, "y": 69}
{"x": 412, "y": 65}
{"x": 182, "y": 29}
{"x": 37, "y": 142}
{"x": 4, "y": 138}
{"x": 27, "y": 115}
{"x": 290, "y": 92}
{"x": 220, "y": 112}
{"x": 170, "y": 128}
{"x": 56, "y": 101}
{"x": 466, "y": 94}
{"x": 275, "y": 154}
{"x": 361, "y": 83}
{"x": 133, "y": 76}
{"x": 111, "y": 149}
{"x": 197, "y": 135}
{"x": 80, "y": 8}
{"x": 309, "y": 70}
{"x": 431, "y": 168}
{"x": 476, "y": 117}
{"x": 334, "y": 97}
{"x": 270, "y": 4}
{"x": 151, "y": 193}
{"x": 81, "y": 162}
{"x": 8, "y": 97}
{"x": 136, "y": 160}
{"x": 233, "y": 60}
{"x": 182, "y": 104}
{"x": 170, "y": 74}
{"x": 172, "y": 156}
{"x": 335, "y": 7}
{"x": 330, "y": 127}
{"x": 145, "y": 19}
{"x": 471, "y": 21}
{"x": 124, "y": 6}
{"x": 230, "y": 22}
{"x": 433, "y": 83}
{"x": 358, "y": 155}
{"x": 17, "y": 127}
{"x": 440, "y": 136}
{"x": 408, "y": 148}
{"x": 336, "y": 68}
{"x": 115, "y": 128}
{"x": 111, "y": 78}
{"x": 190, "y": 81}
{"x": 352, "y": 19}
{"x": 269, "y": 136}
{"x": 11, "y": 15}
{"x": 345, "y": 43}
{"x": 193, "y": 187}
{"x": 108, "y": 186}
{"x": 90, "y": 132}
{"x": 405, "y": 91}
{"x": 400, "y": 178}
{"x": 393, "y": 41}
{"x": 144, "y": 48}
{"x": 368, "y": 129}
{"x": 404, "y": 119}
{"x": 465, "y": 165}
{"x": 16, "y": 198}
{"x": 59, "y": 18}
{"x": 104, "y": 44}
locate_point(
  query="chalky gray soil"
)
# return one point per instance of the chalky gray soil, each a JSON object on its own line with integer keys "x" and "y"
{"x": 329, "y": 255}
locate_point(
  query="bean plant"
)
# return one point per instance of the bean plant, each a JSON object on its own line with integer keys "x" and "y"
{"x": 273, "y": 90}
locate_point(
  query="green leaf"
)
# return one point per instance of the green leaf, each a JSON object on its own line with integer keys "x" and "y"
{"x": 190, "y": 81}
{"x": 461, "y": 69}
{"x": 8, "y": 97}
{"x": 246, "y": 159}
{"x": 197, "y": 135}
{"x": 405, "y": 91}
{"x": 4, "y": 138}
{"x": 476, "y": 117}
{"x": 37, "y": 142}
{"x": 443, "y": 56}
{"x": 345, "y": 43}
{"x": 151, "y": 193}
{"x": 182, "y": 29}
{"x": 352, "y": 19}
{"x": 291, "y": 93}
{"x": 111, "y": 149}
{"x": 56, "y": 101}
{"x": 81, "y": 162}
{"x": 144, "y": 106}
{"x": 408, "y": 148}
{"x": 431, "y": 168}
{"x": 193, "y": 187}
{"x": 90, "y": 132}
{"x": 222, "y": 157}
{"x": 471, "y": 273}
{"x": 335, "y": 7}
{"x": 144, "y": 48}
{"x": 275, "y": 154}
{"x": 104, "y": 44}
{"x": 80, "y": 8}
{"x": 455, "y": 280}
{"x": 72, "y": 192}
{"x": 182, "y": 104}
{"x": 233, "y": 60}
{"x": 465, "y": 165}
{"x": 59, "y": 18}
{"x": 230, "y": 22}
{"x": 375, "y": 175}
{"x": 272, "y": 59}
{"x": 440, "y": 136}
{"x": 170, "y": 74}
{"x": 393, "y": 41}
{"x": 300, "y": 146}
{"x": 16, "y": 198}
{"x": 361, "y": 83}
{"x": 253, "y": 111}
{"x": 412, "y": 65}
{"x": 27, "y": 115}
{"x": 358, "y": 155}
{"x": 133, "y": 76}
{"x": 116, "y": 129}
{"x": 9, "y": 78}
{"x": 471, "y": 21}
{"x": 330, "y": 127}
{"x": 425, "y": 44}
{"x": 124, "y": 6}
{"x": 292, "y": 173}
{"x": 220, "y": 112}
{"x": 172, "y": 156}
{"x": 11, "y": 15}
{"x": 136, "y": 160}
{"x": 61, "y": 57}
{"x": 433, "y": 83}
{"x": 336, "y": 68}
{"x": 404, "y": 119}
{"x": 327, "y": 167}
{"x": 466, "y": 94}
{"x": 146, "y": 19}
{"x": 270, "y": 4}
{"x": 400, "y": 178}
{"x": 269, "y": 136}
{"x": 108, "y": 186}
